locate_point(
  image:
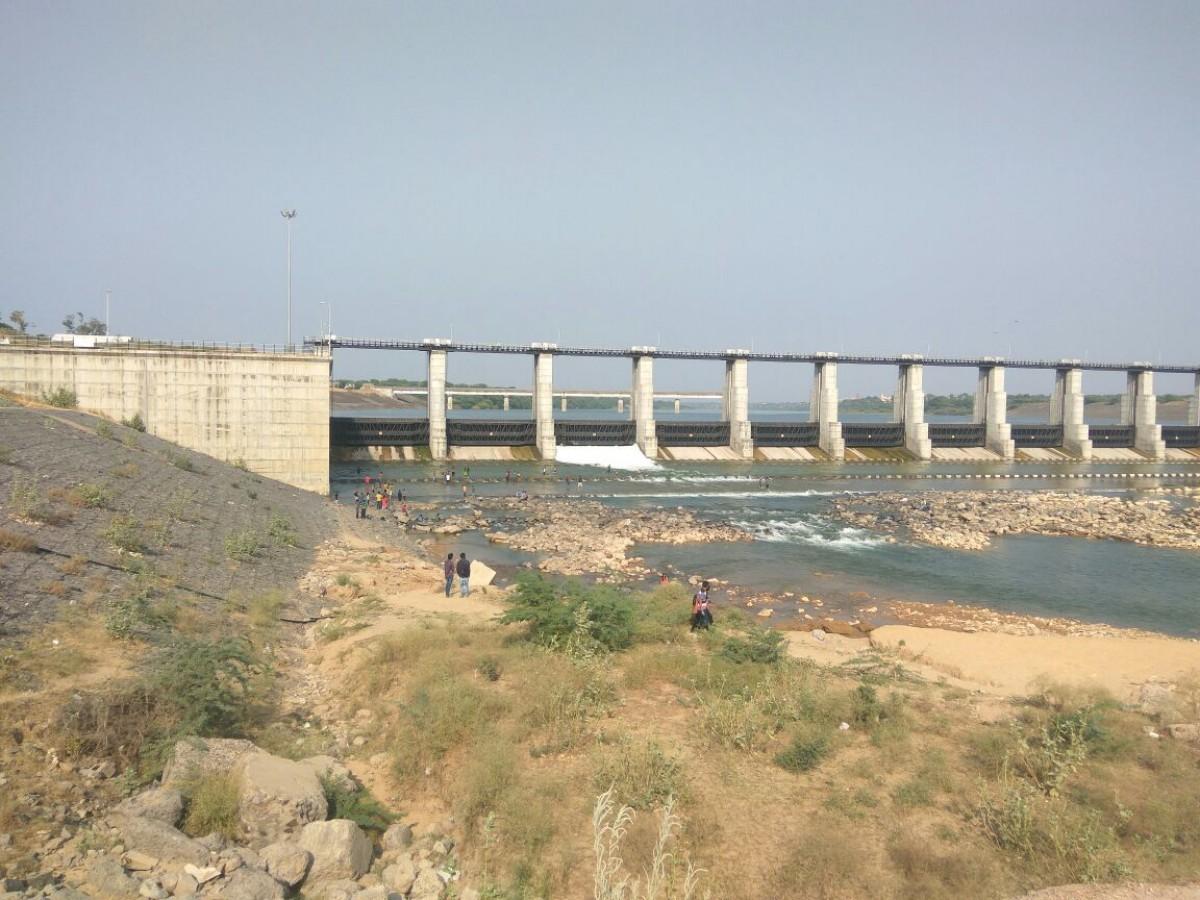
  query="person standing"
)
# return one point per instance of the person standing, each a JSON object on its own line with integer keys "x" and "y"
{"x": 701, "y": 617}
{"x": 448, "y": 571}
{"x": 464, "y": 573}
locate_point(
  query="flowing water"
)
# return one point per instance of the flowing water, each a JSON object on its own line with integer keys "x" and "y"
{"x": 798, "y": 547}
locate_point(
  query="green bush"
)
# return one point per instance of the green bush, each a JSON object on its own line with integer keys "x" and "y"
{"x": 63, "y": 398}
{"x": 243, "y": 545}
{"x": 133, "y": 617}
{"x": 93, "y": 496}
{"x": 356, "y": 804}
{"x": 640, "y": 774}
{"x": 281, "y": 532}
{"x": 124, "y": 533}
{"x": 181, "y": 462}
{"x": 206, "y": 682}
{"x": 556, "y": 612}
{"x": 808, "y": 748}
{"x": 135, "y": 422}
{"x": 105, "y": 430}
{"x": 761, "y": 645}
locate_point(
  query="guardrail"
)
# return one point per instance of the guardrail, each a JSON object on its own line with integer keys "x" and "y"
{"x": 26, "y": 341}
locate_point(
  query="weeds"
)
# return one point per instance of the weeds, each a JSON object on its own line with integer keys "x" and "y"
{"x": 356, "y": 804}
{"x": 105, "y": 430}
{"x": 135, "y": 422}
{"x": 124, "y": 533}
{"x": 17, "y": 542}
{"x": 553, "y": 612}
{"x": 181, "y": 462}
{"x": 761, "y": 645}
{"x": 808, "y": 748}
{"x": 212, "y": 806}
{"x": 62, "y": 398}
{"x": 667, "y": 877}
{"x": 639, "y": 774}
{"x": 243, "y": 545}
{"x": 133, "y": 617}
{"x": 264, "y": 609}
{"x": 23, "y": 497}
{"x": 281, "y": 532}
{"x": 90, "y": 496}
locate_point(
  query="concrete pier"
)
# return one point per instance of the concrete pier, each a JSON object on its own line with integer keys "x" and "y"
{"x": 991, "y": 410}
{"x": 449, "y": 401}
{"x": 563, "y": 404}
{"x": 735, "y": 406}
{"x": 823, "y": 409}
{"x": 642, "y": 405}
{"x": 437, "y": 403}
{"x": 620, "y": 404}
{"x": 1139, "y": 408}
{"x": 1066, "y": 409}
{"x": 1194, "y": 403}
{"x": 543, "y": 403}
{"x": 506, "y": 403}
{"x": 908, "y": 406}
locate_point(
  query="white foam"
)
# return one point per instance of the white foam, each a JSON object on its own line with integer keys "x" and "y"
{"x": 717, "y": 495}
{"x": 798, "y": 531}
{"x": 629, "y": 457}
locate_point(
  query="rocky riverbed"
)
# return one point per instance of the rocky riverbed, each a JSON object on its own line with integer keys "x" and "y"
{"x": 968, "y": 520}
{"x": 585, "y": 537}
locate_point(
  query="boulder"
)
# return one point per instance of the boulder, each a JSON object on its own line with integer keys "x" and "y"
{"x": 108, "y": 879}
{"x": 161, "y": 840}
{"x": 375, "y": 892}
{"x": 341, "y": 889}
{"x": 286, "y": 862}
{"x": 249, "y": 884}
{"x": 428, "y": 886}
{"x": 397, "y": 837}
{"x": 481, "y": 574}
{"x": 400, "y": 875}
{"x": 278, "y": 796}
{"x": 339, "y": 850}
{"x": 330, "y": 769}
{"x": 161, "y": 803}
{"x": 152, "y": 889}
{"x": 194, "y": 757}
{"x": 185, "y": 885}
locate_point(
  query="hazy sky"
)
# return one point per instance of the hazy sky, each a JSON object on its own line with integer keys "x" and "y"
{"x": 1003, "y": 178}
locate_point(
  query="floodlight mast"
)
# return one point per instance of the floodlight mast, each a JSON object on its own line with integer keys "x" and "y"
{"x": 289, "y": 214}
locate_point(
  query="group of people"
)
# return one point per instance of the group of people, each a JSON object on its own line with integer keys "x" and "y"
{"x": 461, "y": 568}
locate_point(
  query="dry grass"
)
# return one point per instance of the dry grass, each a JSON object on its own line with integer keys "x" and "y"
{"x": 17, "y": 542}
{"x": 76, "y": 565}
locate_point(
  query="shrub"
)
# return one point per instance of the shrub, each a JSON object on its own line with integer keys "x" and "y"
{"x": 135, "y": 422}
{"x": 264, "y": 609}
{"x": 356, "y": 804}
{"x": 639, "y": 774}
{"x": 281, "y": 532}
{"x": 133, "y": 617}
{"x": 243, "y": 545}
{"x": 124, "y": 534}
{"x": 240, "y": 463}
{"x": 105, "y": 430}
{"x": 442, "y": 713}
{"x": 6, "y": 456}
{"x": 91, "y": 496}
{"x": 181, "y": 462}
{"x": 1049, "y": 758}
{"x": 489, "y": 668}
{"x": 207, "y": 682}
{"x": 16, "y": 542}
{"x": 761, "y": 645}
{"x": 23, "y": 497}
{"x": 555, "y": 612}
{"x": 212, "y": 806}
{"x": 63, "y": 398}
{"x": 808, "y": 748}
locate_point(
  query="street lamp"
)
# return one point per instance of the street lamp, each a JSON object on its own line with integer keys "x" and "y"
{"x": 289, "y": 214}
{"x": 107, "y": 302}
{"x": 328, "y": 317}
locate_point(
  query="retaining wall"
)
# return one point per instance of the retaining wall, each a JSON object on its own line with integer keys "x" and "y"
{"x": 270, "y": 410}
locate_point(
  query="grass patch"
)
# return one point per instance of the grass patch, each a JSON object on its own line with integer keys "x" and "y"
{"x": 638, "y": 773}
{"x": 90, "y": 496}
{"x": 124, "y": 533}
{"x": 135, "y": 422}
{"x": 126, "y": 470}
{"x": 181, "y": 462}
{"x": 281, "y": 532}
{"x": 212, "y": 806}
{"x": 760, "y": 645}
{"x": 809, "y": 746}
{"x": 263, "y": 610}
{"x": 105, "y": 430}
{"x": 355, "y": 803}
{"x": 16, "y": 542}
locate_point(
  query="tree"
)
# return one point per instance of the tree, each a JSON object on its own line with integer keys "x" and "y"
{"x": 17, "y": 317}
{"x": 77, "y": 323}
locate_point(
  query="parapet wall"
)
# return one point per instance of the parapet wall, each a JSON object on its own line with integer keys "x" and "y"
{"x": 270, "y": 410}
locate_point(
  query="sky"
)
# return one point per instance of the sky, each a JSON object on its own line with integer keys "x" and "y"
{"x": 1008, "y": 178}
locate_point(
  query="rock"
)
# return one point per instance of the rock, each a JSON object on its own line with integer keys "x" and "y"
{"x": 765, "y": 613}
{"x": 109, "y": 880}
{"x": 136, "y": 861}
{"x": 278, "y": 796}
{"x": 1188, "y": 732}
{"x": 427, "y": 886}
{"x": 286, "y": 862}
{"x": 185, "y": 885}
{"x": 330, "y": 769}
{"x": 339, "y": 849}
{"x": 203, "y": 875}
{"x": 400, "y": 875}
{"x": 152, "y": 889}
{"x": 397, "y": 837}
{"x": 376, "y": 892}
{"x": 249, "y": 884}
{"x": 481, "y": 574}
{"x": 194, "y": 757}
{"x": 160, "y": 803}
{"x": 1156, "y": 697}
{"x": 159, "y": 839}
{"x": 342, "y": 889}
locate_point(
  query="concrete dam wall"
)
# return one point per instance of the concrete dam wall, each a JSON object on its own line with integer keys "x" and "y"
{"x": 269, "y": 410}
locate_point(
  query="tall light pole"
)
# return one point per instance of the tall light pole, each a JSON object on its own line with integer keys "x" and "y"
{"x": 107, "y": 301}
{"x": 328, "y": 304}
{"x": 289, "y": 214}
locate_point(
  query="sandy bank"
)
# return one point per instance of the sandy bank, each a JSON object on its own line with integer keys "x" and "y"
{"x": 1012, "y": 663}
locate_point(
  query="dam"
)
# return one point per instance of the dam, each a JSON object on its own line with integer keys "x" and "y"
{"x": 1065, "y": 434}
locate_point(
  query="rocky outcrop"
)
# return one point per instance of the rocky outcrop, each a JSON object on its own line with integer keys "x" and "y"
{"x": 162, "y": 804}
{"x": 160, "y": 840}
{"x": 967, "y": 520}
{"x": 277, "y": 797}
{"x": 196, "y": 757}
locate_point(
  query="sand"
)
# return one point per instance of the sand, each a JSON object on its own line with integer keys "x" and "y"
{"x": 1011, "y": 664}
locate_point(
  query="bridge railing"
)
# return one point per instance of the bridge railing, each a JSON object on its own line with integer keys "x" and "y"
{"x": 113, "y": 345}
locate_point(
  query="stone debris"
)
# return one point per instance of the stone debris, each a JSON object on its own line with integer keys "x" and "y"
{"x": 968, "y": 520}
